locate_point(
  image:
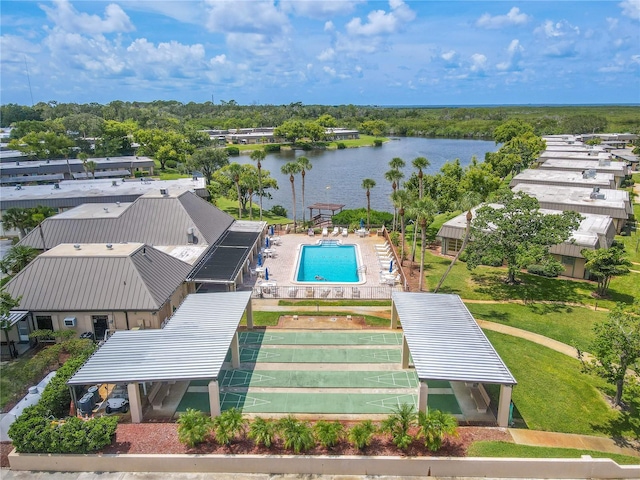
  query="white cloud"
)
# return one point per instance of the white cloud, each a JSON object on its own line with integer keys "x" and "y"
{"x": 330, "y": 71}
{"x": 478, "y": 62}
{"x": 630, "y": 8}
{"x": 380, "y": 22}
{"x": 513, "y": 17}
{"x": 319, "y": 9}
{"x": 514, "y": 55}
{"x": 448, "y": 56}
{"x": 329, "y": 26}
{"x": 67, "y": 18}
{"x": 169, "y": 53}
{"x": 258, "y": 16}
{"x": 326, "y": 55}
{"x": 562, "y": 28}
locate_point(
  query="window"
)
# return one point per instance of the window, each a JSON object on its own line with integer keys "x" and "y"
{"x": 44, "y": 322}
{"x": 570, "y": 261}
{"x": 454, "y": 244}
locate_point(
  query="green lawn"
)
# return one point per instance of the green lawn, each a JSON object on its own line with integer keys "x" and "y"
{"x": 632, "y": 242}
{"x": 566, "y": 324}
{"x": 505, "y": 450}
{"x": 552, "y": 392}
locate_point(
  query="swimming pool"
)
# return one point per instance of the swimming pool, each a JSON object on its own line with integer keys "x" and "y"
{"x": 328, "y": 262}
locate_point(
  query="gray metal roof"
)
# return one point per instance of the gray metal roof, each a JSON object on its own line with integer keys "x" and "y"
{"x": 619, "y": 169}
{"x": 15, "y": 316}
{"x": 568, "y": 179}
{"x": 129, "y": 276}
{"x": 32, "y": 178}
{"x": 73, "y": 165}
{"x": 193, "y": 344}
{"x": 153, "y": 218}
{"x": 445, "y": 341}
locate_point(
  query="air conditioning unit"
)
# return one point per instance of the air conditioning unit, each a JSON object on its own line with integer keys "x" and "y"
{"x": 70, "y": 322}
{"x": 164, "y": 191}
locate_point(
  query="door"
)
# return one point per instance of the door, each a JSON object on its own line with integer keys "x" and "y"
{"x": 23, "y": 330}
{"x": 99, "y": 326}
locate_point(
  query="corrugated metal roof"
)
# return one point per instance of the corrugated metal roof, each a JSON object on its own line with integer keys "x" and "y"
{"x": 15, "y": 316}
{"x": 129, "y": 277}
{"x": 151, "y": 219}
{"x": 193, "y": 344}
{"x": 445, "y": 341}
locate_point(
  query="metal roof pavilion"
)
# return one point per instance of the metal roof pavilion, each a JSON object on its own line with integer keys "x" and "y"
{"x": 445, "y": 341}
{"x": 192, "y": 346}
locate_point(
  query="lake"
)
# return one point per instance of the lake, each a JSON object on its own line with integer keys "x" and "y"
{"x": 336, "y": 176}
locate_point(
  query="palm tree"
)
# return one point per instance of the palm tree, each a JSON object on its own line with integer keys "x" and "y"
{"x": 83, "y": 158}
{"x": 420, "y": 163}
{"x": 193, "y": 427}
{"x": 18, "y": 257}
{"x": 291, "y": 168}
{"x": 235, "y": 170}
{"x": 15, "y": 218}
{"x": 258, "y": 156}
{"x": 397, "y": 163}
{"x": 368, "y": 184}
{"x": 305, "y": 165}
{"x": 434, "y": 425}
{"x": 401, "y": 200}
{"x": 424, "y": 210}
{"x": 398, "y": 424}
{"x": 394, "y": 176}
{"x": 467, "y": 202}
{"x": 91, "y": 166}
{"x": 360, "y": 435}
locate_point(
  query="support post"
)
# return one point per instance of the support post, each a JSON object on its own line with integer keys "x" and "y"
{"x": 214, "y": 398}
{"x": 405, "y": 353}
{"x": 249, "y": 312}
{"x": 394, "y": 315}
{"x": 423, "y": 395}
{"x": 235, "y": 350}
{"x": 503, "y": 405}
{"x": 135, "y": 402}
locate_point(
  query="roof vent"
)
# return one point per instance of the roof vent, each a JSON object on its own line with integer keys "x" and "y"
{"x": 114, "y": 183}
{"x": 109, "y": 246}
{"x": 77, "y": 246}
{"x": 56, "y": 186}
{"x": 190, "y": 235}
{"x": 18, "y": 187}
{"x": 107, "y": 158}
{"x": 164, "y": 191}
{"x": 118, "y": 203}
{"x": 17, "y": 163}
{"x": 106, "y": 209}
{"x": 596, "y": 195}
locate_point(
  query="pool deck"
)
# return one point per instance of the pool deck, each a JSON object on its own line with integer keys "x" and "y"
{"x": 282, "y": 268}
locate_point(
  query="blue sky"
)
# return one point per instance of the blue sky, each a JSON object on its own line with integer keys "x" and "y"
{"x": 321, "y": 52}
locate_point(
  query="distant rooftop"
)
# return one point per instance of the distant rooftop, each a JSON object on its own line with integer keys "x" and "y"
{"x": 550, "y": 177}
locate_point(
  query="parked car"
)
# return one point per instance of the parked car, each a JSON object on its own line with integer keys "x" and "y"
{"x": 118, "y": 401}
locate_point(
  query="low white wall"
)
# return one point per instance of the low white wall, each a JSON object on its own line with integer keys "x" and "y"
{"x": 585, "y": 467}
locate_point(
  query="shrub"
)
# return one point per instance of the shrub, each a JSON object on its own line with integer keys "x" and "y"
{"x": 170, "y": 164}
{"x": 193, "y": 427}
{"x": 360, "y": 435}
{"x": 328, "y": 434}
{"x": 398, "y": 424}
{"x": 549, "y": 268}
{"x": 272, "y": 148}
{"x": 377, "y": 142}
{"x": 306, "y": 146}
{"x": 233, "y": 151}
{"x": 229, "y": 424}
{"x": 341, "y": 145}
{"x": 395, "y": 238}
{"x": 279, "y": 210}
{"x": 298, "y": 435}
{"x": 433, "y": 426}
{"x": 353, "y": 217}
{"x": 262, "y": 431}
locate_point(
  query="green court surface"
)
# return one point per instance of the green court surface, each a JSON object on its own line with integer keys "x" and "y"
{"x": 320, "y": 338}
{"x": 318, "y": 379}
{"x": 268, "y": 354}
{"x": 325, "y": 403}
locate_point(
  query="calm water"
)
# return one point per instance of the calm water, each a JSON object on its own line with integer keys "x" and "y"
{"x": 336, "y": 176}
{"x": 330, "y": 263}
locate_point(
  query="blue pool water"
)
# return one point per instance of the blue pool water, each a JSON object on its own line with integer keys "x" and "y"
{"x": 328, "y": 262}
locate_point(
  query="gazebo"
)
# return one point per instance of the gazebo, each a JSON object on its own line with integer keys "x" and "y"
{"x": 321, "y": 218}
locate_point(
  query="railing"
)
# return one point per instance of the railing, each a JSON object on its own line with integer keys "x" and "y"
{"x": 319, "y": 292}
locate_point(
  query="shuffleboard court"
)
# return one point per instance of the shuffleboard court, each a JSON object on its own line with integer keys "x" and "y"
{"x": 320, "y": 338}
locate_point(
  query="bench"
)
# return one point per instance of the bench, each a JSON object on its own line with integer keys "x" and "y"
{"x": 158, "y": 393}
{"x": 478, "y": 396}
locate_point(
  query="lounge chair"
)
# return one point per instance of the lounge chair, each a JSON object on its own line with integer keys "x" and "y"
{"x": 335, "y": 232}
{"x": 325, "y": 232}
{"x": 325, "y": 292}
{"x": 355, "y": 292}
{"x": 310, "y": 293}
{"x": 345, "y": 232}
{"x": 293, "y": 292}
{"x": 310, "y": 232}
{"x": 338, "y": 292}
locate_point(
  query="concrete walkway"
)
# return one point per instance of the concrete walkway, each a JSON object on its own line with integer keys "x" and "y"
{"x": 520, "y": 436}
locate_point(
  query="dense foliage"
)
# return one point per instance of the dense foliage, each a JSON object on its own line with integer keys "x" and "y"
{"x": 354, "y": 216}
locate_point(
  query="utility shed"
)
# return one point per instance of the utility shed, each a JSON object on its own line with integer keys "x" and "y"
{"x": 614, "y": 203}
{"x": 192, "y": 346}
{"x": 446, "y": 343}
